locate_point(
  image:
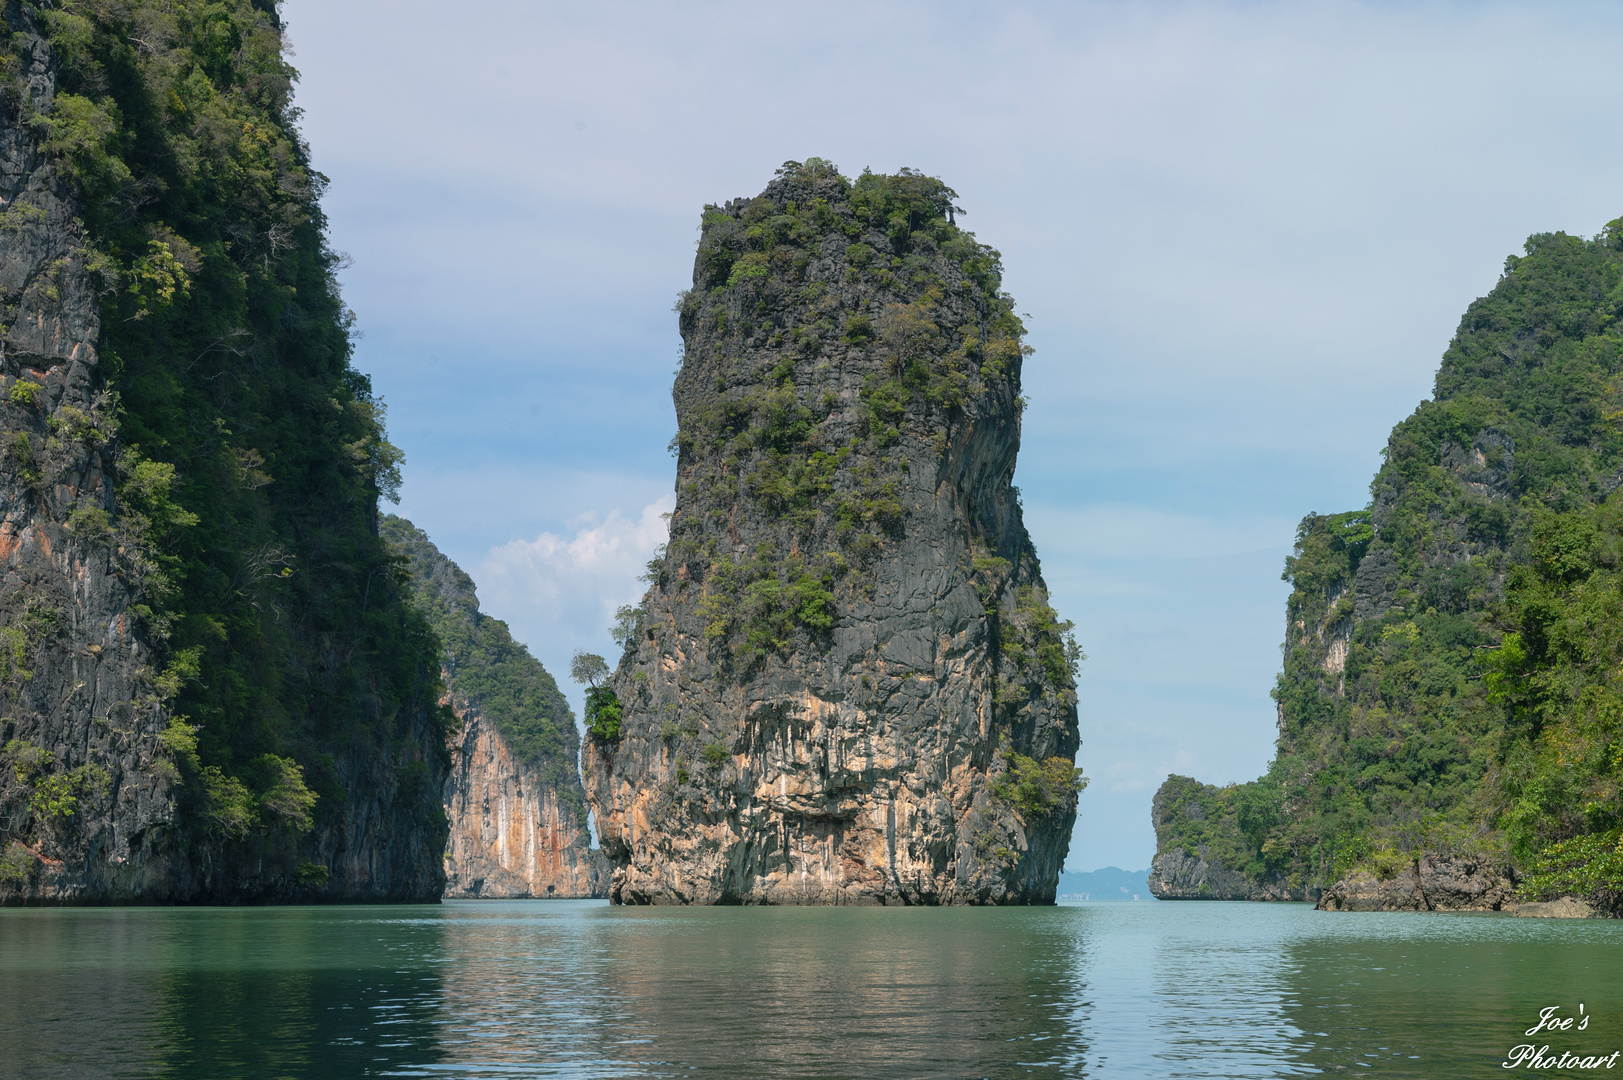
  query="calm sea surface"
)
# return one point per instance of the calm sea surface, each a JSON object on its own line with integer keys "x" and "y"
{"x": 579, "y": 989}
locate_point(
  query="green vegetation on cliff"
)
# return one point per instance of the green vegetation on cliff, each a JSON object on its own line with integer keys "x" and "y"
{"x": 252, "y": 452}
{"x": 846, "y": 682}
{"x": 818, "y": 269}
{"x": 603, "y": 709}
{"x": 1446, "y": 682}
{"x": 1036, "y": 789}
{"x": 1558, "y": 677}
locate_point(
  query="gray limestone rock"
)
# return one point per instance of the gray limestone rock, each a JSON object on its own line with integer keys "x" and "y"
{"x": 90, "y": 794}
{"x": 1428, "y": 882}
{"x": 1567, "y": 907}
{"x": 846, "y": 655}
{"x": 1485, "y": 468}
{"x": 76, "y": 674}
{"x": 1177, "y": 876}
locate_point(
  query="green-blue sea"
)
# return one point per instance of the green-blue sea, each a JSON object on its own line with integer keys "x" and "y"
{"x": 580, "y": 989}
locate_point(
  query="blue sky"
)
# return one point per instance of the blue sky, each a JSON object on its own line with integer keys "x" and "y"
{"x": 1243, "y": 233}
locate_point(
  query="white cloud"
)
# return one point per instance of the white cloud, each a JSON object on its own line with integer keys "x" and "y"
{"x": 559, "y": 592}
{"x": 471, "y": 511}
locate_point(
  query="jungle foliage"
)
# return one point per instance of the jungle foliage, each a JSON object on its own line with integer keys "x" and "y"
{"x": 603, "y": 709}
{"x": 603, "y": 713}
{"x": 1446, "y": 683}
{"x": 253, "y": 453}
{"x": 1558, "y": 679}
{"x": 1037, "y": 789}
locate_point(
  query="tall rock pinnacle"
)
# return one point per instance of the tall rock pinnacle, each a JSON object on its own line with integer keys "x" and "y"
{"x": 845, "y": 683}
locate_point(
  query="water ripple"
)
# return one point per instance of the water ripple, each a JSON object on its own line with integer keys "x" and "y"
{"x": 577, "y": 989}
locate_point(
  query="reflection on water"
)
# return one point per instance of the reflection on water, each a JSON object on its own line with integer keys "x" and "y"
{"x": 791, "y": 991}
{"x": 1413, "y": 996}
{"x": 217, "y": 992}
{"x": 567, "y": 988}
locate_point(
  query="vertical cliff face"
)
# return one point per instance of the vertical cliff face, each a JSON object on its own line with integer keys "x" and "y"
{"x": 513, "y": 796}
{"x": 510, "y": 835}
{"x": 80, "y": 725}
{"x": 845, "y": 683}
{"x": 213, "y": 689}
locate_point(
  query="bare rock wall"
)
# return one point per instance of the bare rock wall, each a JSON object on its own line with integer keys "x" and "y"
{"x": 509, "y": 838}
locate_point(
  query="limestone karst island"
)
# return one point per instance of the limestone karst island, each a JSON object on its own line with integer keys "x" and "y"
{"x": 1453, "y": 665}
{"x": 845, "y": 683}
{"x": 226, "y": 676}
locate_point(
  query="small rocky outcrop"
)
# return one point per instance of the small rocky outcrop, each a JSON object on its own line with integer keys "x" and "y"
{"x": 1198, "y": 856}
{"x": 1427, "y": 882}
{"x": 1566, "y": 907}
{"x": 845, "y": 683}
{"x": 513, "y": 797}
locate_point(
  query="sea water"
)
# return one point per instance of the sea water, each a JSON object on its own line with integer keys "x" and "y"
{"x": 580, "y": 989}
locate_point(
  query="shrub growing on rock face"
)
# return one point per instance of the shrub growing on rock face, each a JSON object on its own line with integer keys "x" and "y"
{"x": 603, "y": 710}
{"x": 1035, "y": 788}
{"x": 603, "y": 713}
{"x": 16, "y": 865}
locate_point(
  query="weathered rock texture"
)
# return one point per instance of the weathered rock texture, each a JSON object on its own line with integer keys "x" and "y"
{"x": 1427, "y": 882}
{"x": 107, "y": 795}
{"x": 846, "y": 651}
{"x": 510, "y": 837}
{"x": 1176, "y": 876}
{"x": 1567, "y": 907}
{"x": 513, "y": 796}
{"x": 77, "y": 673}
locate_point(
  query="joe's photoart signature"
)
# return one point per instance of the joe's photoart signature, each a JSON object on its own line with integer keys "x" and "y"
{"x": 1531, "y": 1055}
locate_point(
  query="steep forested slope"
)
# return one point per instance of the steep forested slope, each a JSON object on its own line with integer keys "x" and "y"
{"x": 1445, "y": 644}
{"x": 192, "y": 466}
